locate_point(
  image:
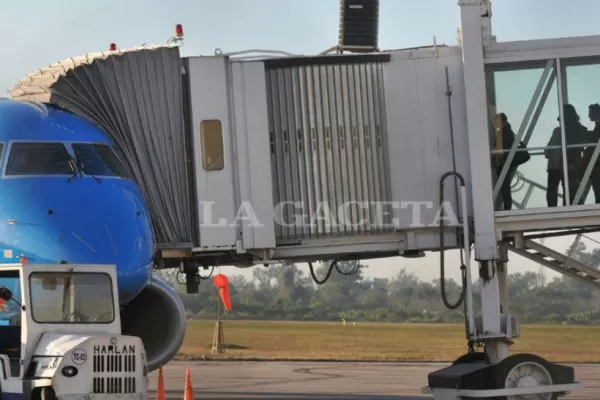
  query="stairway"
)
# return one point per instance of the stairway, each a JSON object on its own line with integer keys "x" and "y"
{"x": 557, "y": 261}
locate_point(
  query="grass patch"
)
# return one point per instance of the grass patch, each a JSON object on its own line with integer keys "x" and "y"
{"x": 270, "y": 340}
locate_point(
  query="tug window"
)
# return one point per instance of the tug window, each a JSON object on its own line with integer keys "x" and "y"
{"x": 37, "y": 158}
{"x": 65, "y": 297}
{"x": 211, "y": 137}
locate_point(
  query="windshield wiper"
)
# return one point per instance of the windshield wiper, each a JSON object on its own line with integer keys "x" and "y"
{"x": 95, "y": 178}
{"x": 66, "y": 293}
{"x": 76, "y": 170}
{"x": 80, "y": 170}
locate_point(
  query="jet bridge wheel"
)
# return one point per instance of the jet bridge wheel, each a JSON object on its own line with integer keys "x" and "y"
{"x": 525, "y": 370}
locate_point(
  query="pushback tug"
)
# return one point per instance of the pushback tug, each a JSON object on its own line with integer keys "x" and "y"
{"x": 60, "y": 335}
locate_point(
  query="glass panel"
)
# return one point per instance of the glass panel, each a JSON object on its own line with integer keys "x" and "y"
{"x": 211, "y": 133}
{"x": 583, "y": 91}
{"x": 1, "y": 151}
{"x": 584, "y": 248}
{"x": 525, "y": 192}
{"x": 99, "y": 160}
{"x": 35, "y": 158}
{"x": 10, "y": 312}
{"x": 58, "y": 297}
{"x": 524, "y": 101}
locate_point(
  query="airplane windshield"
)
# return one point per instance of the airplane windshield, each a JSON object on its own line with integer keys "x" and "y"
{"x": 71, "y": 298}
{"x": 37, "y": 158}
{"x": 99, "y": 160}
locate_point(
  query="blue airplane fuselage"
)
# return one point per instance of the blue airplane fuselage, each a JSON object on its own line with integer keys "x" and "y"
{"x": 65, "y": 196}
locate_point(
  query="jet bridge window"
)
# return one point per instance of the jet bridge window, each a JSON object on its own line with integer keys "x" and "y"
{"x": 211, "y": 135}
{"x": 100, "y": 160}
{"x": 37, "y": 158}
{"x": 524, "y": 101}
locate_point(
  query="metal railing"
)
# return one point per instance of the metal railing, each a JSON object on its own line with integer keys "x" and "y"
{"x": 519, "y": 179}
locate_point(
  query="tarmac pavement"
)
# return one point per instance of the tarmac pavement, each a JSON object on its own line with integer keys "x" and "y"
{"x": 319, "y": 380}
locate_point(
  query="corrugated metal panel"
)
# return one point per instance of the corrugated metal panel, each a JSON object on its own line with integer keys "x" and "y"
{"x": 135, "y": 95}
{"x": 327, "y": 148}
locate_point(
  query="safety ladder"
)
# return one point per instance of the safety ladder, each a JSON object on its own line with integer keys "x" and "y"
{"x": 563, "y": 264}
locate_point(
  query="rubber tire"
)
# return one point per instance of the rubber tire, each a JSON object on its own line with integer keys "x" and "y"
{"x": 504, "y": 367}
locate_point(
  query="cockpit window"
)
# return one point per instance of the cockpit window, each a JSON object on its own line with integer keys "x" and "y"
{"x": 99, "y": 160}
{"x": 38, "y": 158}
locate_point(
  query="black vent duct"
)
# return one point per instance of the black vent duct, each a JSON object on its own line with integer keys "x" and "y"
{"x": 359, "y": 26}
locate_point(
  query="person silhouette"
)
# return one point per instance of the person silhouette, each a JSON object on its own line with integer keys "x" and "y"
{"x": 505, "y": 139}
{"x": 575, "y": 133}
{"x": 594, "y": 116}
{"x": 506, "y": 136}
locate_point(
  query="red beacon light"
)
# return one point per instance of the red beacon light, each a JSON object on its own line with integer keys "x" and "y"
{"x": 113, "y": 47}
{"x": 178, "y": 31}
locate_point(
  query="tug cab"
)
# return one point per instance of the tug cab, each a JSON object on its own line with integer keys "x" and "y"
{"x": 59, "y": 328}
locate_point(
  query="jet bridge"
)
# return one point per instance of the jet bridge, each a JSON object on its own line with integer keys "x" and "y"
{"x": 290, "y": 158}
{"x": 335, "y": 156}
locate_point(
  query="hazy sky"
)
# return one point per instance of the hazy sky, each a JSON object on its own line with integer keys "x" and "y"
{"x": 37, "y": 33}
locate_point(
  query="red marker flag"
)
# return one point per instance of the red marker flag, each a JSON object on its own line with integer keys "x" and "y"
{"x": 222, "y": 283}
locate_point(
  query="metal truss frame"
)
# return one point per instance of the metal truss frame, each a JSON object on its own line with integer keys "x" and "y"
{"x": 554, "y": 70}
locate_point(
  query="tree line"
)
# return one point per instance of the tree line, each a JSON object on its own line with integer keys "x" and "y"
{"x": 286, "y": 292}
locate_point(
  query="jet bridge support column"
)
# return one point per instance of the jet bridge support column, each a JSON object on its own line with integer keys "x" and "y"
{"x": 478, "y": 132}
{"x": 494, "y": 373}
{"x": 473, "y": 14}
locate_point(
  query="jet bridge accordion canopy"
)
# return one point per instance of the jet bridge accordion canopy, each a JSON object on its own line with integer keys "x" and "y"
{"x": 136, "y": 98}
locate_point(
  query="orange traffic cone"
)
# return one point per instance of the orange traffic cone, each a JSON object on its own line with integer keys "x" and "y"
{"x": 189, "y": 392}
{"x": 160, "y": 392}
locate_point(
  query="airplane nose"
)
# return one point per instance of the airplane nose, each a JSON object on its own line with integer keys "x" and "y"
{"x": 82, "y": 221}
{"x": 106, "y": 223}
